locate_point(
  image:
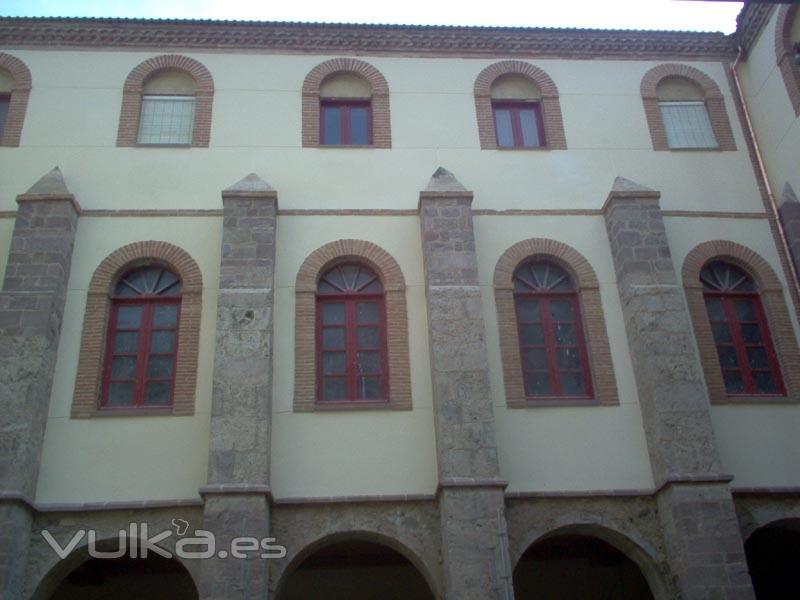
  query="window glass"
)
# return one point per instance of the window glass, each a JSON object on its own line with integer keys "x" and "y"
{"x": 503, "y": 127}
{"x": 530, "y": 128}
{"x": 687, "y": 125}
{"x": 166, "y": 120}
{"x": 332, "y": 124}
{"x": 359, "y": 126}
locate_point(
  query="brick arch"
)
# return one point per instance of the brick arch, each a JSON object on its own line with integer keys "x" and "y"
{"x": 550, "y": 105}
{"x": 295, "y": 558}
{"x": 790, "y": 70}
{"x": 132, "y": 97}
{"x": 780, "y": 323}
{"x": 715, "y": 104}
{"x": 381, "y": 121}
{"x": 18, "y": 103}
{"x": 594, "y": 326}
{"x": 95, "y": 322}
{"x": 386, "y": 267}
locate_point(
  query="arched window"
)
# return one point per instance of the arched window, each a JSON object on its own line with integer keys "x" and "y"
{"x": 15, "y": 88}
{"x": 740, "y": 331}
{"x": 552, "y": 346}
{"x": 141, "y": 344}
{"x": 517, "y": 112}
{"x": 345, "y": 104}
{"x": 351, "y": 336}
{"x": 684, "y": 113}
{"x": 168, "y": 106}
{"x": 787, "y": 50}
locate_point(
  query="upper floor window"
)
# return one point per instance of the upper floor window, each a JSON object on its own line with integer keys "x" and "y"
{"x": 141, "y": 344}
{"x": 517, "y": 113}
{"x": 740, "y": 331}
{"x": 787, "y": 50}
{"x": 552, "y": 346}
{"x": 15, "y": 89}
{"x": 345, "y": 111}
{"x": 168, "y": 107}
{"x": 684, "y": 113}
{"x": 5, "y": 100}
{"x": 351, "y": 336}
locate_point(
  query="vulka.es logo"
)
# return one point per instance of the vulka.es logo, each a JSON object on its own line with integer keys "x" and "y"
{"x": 137, "y": 542}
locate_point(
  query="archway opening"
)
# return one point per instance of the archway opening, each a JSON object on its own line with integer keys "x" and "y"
{"x": 773, "y": 557}
{"x": 127, "y": 578}
{"x": 575, "y": 567}
{"x": 356, "y": 570}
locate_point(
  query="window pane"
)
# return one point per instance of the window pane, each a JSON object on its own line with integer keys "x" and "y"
{"x": 528, "y": 310}
{"x": 716, "y": 312}
{"x": 733, "y": 382}
{"x": 722, "y": 333}
{"x": 751, "y": 333}
{"x": 333, "y": 362}
{"x": 745, "y": 310}
{"x": 333, "y": 314}
{"x": 572, "y": 383}
{"x": 530, "y": 128}
{"x": 4, "y": 102}
{"x": 129, "y": 317}
{"x": 159, "y": 366}
{"x": 687, "y": 125}
{"x": 503, "y": 128}
{"x": 369, "y": 337}
{"x": 166, "y": 120}
{"x": 120, "y": 394}
{"x": 757, "y": 358}
{"x": 369, "y": 388}
{"x": 123, "y": 367}
{"x": 565, "y": 333}
{"x": 332, "y": 125}
{"x": 162, "y": 341}
{"x": 535, "y": 359}
{"x": 165, "y": 316}
{"x": 532, "y": 335}
{"x": 569, "y": 358}
{"x": 358, "y": 125}
{"x": 333, "y": 338}
{"x": 765, "y": 383}
{"x": 334, "y": 388}
{"x": 367, "y": 312}
{"x": 157, "y": 393}
{"x": 125, "y": 342}
{"x": 369, "y": 362}
{"x": 537, "y": 384}
{"x": 727, "y": 357}
{"x": 561, "y": 310}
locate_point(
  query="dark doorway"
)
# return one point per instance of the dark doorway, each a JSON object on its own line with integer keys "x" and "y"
{"x": 153, "y": 578}
{"x": 578, "y": 567}
{"x": 773, "y": 557}
{"x": 356, "y": 570}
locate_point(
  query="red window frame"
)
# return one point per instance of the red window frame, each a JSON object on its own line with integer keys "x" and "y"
{"x": 145, "y": 330}
{"x": 734, "y": 324}
{"x": 344, "y": 106}
{"x": 4, "y": 99}
{"x": 350, "y": 301}
{"x": 516, "y": 122}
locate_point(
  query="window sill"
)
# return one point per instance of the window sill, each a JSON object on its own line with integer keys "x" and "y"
{"x": 524, "y": 149}
{"x": 759, "y": 399}
{"x": 710, "y": 149}
{"x": 553, "y": 402}
{"x": 353, "y": 405}
{"x": 347, "y": 146}
{"x": 133, "y": 412}
{"x": 163, "y": 146}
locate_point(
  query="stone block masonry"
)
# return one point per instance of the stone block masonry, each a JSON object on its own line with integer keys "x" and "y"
{"x": 471, "y": 503}
{"x": 31, "y": 312}
{"x": 703, "y": 543}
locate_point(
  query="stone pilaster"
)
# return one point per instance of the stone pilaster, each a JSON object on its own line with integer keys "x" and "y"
{"x": 789, "y": 211}
{"x": 701, "y": 533}
{"x": 31, "y": 312}
{"x": 237, "y": 494}
{"x": 471, "y": 502}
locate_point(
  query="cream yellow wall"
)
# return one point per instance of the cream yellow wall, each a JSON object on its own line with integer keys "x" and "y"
{"x": 564, "y": 448}
{"x": 129, "y": 458}
{"x": 353, "y": 452}
{"x": 758, "y": 444}
{"x": 74, "y": 109}
{"x": 776, "y": 125}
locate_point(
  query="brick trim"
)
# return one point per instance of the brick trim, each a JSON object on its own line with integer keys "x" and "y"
{"x": 790, "y": 70}
{"x": 381, "y": 117}
{"x": 551, "y": 107}
{"x": 602, "y": 367}
{"x": 715, "y": 104}
{"x": 95, "y": 321}
{"x": 305, "y": 318}
{"x": 780, "y": 323}
{"x": 18, "y": 104}
{"x": 132, "y": 97}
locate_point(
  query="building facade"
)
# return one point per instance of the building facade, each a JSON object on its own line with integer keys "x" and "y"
{"x": 457, "y": 313}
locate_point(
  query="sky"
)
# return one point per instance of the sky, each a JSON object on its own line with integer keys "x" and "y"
{"x": 691, "y": 15}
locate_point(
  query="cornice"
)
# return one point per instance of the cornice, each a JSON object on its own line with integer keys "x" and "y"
{"x": 751, "y": 21}
{"x": 327, "y": 38}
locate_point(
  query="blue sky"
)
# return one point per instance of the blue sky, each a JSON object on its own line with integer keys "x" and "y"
{"x": 623, "y": 14}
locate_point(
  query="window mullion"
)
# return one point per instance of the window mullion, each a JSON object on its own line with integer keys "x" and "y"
{"x": 550, "y": 345}
{"x": 345, "y": 124}
{"x": 516, "y": 127}
{"x": 738, "y": 344}
{"x": 145, "y": 329}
